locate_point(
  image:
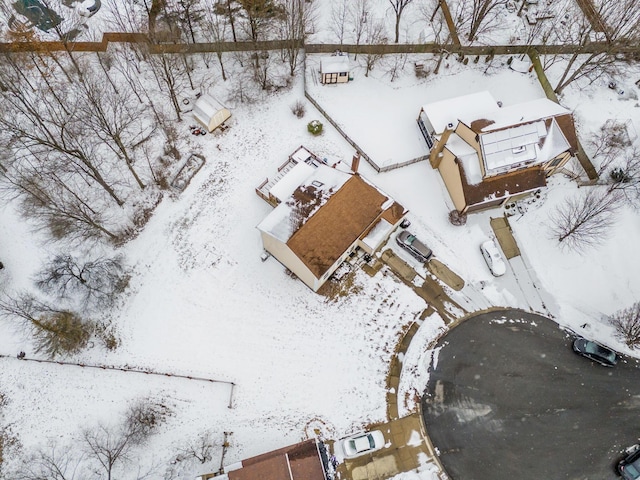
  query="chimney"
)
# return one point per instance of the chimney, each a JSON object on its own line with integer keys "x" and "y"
{"x": 434, "y": 155}
{"x": 355, "y": 162}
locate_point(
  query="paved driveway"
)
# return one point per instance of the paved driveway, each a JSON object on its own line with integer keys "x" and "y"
{"x": 509, "y": 399}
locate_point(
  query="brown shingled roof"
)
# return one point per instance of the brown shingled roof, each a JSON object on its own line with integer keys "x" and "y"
{"x": 497, "y": 187}
{"x": 479, "y": 124}
{"x": 347, "y": 214}
{"x": 565, "y": 122}
{"x": 296, "y": 462}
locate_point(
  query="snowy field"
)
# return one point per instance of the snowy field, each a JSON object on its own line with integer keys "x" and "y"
{"x": 202, "y": 303}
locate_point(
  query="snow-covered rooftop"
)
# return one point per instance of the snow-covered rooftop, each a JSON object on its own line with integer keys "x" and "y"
{"x": 526, "y": 112}
{"x": 379, "y": 232}
{"x": 206, "y": 107}
{"x": 295, "y": 177}
{"x": 445, "y": 112}
{"x": 326, "y": 181}
{"x": 334, "y": 64}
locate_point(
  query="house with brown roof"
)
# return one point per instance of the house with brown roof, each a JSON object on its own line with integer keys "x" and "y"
{"x": 488, "y": 155}
{"x": 303, "y": 461}
{"x": 322, "y": 219}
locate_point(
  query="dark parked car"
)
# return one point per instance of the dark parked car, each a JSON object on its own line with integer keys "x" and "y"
{"x": 414, "y": 246}
{"x": 629, "y": 466}
{"x": 596, "y": 352}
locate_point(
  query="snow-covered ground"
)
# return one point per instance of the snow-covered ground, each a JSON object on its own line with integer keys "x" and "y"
{"x": 202, "y": 303}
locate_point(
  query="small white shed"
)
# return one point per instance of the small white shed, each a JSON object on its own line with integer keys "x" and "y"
{"x": 210, "y": 113}
{"x": 334, "y": 68}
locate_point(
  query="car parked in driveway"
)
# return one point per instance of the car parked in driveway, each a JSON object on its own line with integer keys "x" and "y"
{"x": 362, "y": 443}
{"x": 594, "y": 351}
{"x": 493, "y": 257}
{"x": 415, "y": 247}
{"x": 629, "y": 467}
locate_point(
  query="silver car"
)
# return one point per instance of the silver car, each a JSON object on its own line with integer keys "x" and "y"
{"x": 362, "y": 443}
{"x": 414, "y": 246}
{"x": 493, "y": 258}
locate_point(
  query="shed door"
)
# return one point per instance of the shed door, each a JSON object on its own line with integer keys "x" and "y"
{"x": 331, "y": 78}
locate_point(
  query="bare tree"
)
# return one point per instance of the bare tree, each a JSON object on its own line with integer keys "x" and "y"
{"x": 230, "y": 9}
{"x": 627, "y": 324}
{"x": 109, "y": 447}
{"x": 398, "y": 7}
{"x": 126, "y": 16}
{"x": 168, "y": 70}
{"x": 339, "y": 19}
{"x": 608, "y": 143}
{"x": 47, "y": 130}
{"x": 52, "y": 464}
{"x": 259, "y": 14}
{"x": 433, "y": 15}
{"x": 10, "y": 444}
{"x": 358, "y": 13}
{"x": 215, "y": 31}
{"x": 298, "y": 20}
{"x": 624, "y": 176}
{"x": 584, "y": 219}
{"x": 112, "y": 448}
{"x": 482, "y": 15}
{"x": 617, "y": 22}
{"x": 262, "y": 63}
{"x": 375, "y": 35}
{"x": 116, "y": 119}
{"x": 200, "y": 448}
{"x": 45, "y": 196}
{"x": 189, "y": 13}
{"x": 96, "y": 282}
{"x": 396, "y": 66}
{"x": 55, "y": 331}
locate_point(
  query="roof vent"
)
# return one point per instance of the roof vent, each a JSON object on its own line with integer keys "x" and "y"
{"x": 316, "y": 183}
{"x": 449, "y": 125}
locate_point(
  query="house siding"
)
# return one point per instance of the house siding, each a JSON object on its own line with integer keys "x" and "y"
{"x": 450, "y": 173}
{"x": 286, "y": 257}
{"x": 469, "y": 136}
{"x": 550, "y": 169}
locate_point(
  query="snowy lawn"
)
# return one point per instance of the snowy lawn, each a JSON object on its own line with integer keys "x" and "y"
{"x": 202, "y": 302}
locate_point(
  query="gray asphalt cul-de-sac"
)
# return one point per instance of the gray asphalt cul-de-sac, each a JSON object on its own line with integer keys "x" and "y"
{"x": 507, "y": 398}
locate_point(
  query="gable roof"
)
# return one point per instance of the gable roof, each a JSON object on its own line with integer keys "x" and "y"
{"x": 349, "y": 214}
{"x": 512, "y": 116}
{"x": 321, "y": 183}
{"x": 334, "y": 64}
{"x": 301, "y": 461}
{"x": 449, "y": 111}
{"x": 502, "y": 186}
{"x": 206, "y": 107}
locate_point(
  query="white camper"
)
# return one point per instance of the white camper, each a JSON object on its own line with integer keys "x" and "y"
{"x": 210, "y": 113}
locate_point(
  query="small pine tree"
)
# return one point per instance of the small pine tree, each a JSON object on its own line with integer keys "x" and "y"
{"x": 314, "y": 127}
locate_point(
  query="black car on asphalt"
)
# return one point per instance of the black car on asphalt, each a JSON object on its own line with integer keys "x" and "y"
{"x": 629, "y": 467}
{"x": 414, "y": 246}
{"x": 596, "y": 352}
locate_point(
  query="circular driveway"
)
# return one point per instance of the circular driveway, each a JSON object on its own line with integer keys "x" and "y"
{"x": 507, "y": 398}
